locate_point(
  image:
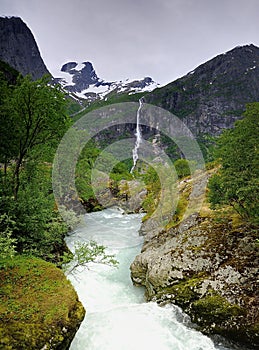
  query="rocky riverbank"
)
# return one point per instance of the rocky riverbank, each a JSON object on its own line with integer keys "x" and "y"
{"x": 209, "y": 268}
{"x": 39, "y": 307}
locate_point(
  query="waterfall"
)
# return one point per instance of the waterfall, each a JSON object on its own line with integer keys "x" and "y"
{"x": 138, "y": 138}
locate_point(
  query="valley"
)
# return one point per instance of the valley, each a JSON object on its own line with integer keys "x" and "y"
{"x": 170, "y": 170}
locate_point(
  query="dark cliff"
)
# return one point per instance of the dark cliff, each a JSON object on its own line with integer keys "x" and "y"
{"x": 214, "y": 95}
{"x": 18, "y": 48}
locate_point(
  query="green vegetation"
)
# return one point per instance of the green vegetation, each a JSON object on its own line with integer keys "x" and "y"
{"x": 237, "y": 181}
{"x": 86, "y": 162}
{"x": 37, "y": 304}
{"x": 110, "y": 99}
{"x": 7, "y": 243}
{"x": 184, "y": 292}
{"x": 37, "y": 301}
{"x": 33, "y": 118}
{"x": 32, "y": 121}
{"x": 8, "y": 73}
{"x": 91, "y": 252}
{"x": 153, "y": 185}
{"x": 182, "y": 168}
{"x": 212, "y": 308}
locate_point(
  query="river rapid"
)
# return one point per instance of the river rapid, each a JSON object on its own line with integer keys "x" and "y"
{"x": 117, "y": 316}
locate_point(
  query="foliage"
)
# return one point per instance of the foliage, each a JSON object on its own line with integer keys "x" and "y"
{"x": 73, "y": 107}
{"x": 90, "y": 252}
{"x": 38, "y": 228}
{"x": 33, "y": 118}
{"x": 182, "y": 168}
{"x": 237, "y": 181}
{"x": 83, "y": 171}
{"x": 85, "y": 164}
{"x": 206, "y": 143}
{"x": 153, "y": 186}
{"x": 7, "y": 147}
{"x": 32, "y": 121}
{"x": 7, "y": 243}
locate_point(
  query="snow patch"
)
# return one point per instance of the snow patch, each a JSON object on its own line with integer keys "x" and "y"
{"x": 99, "y": 88}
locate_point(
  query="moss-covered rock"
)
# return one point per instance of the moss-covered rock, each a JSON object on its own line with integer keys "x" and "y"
{"x": 182, "y": 293}
{"x": 39, "y": 307}
{"x": 210, "y": 269}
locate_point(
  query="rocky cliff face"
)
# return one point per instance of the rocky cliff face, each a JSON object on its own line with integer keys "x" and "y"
{"x": 214, "y": 95}
{"x": 18, "y": 48}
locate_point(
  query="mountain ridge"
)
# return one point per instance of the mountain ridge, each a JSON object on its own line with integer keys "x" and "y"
{"x": 19, "y": 49}
{"x": 213, "y": 96}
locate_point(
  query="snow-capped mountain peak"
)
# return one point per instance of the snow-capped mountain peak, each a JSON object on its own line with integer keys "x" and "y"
{"x": 81, "y": 80}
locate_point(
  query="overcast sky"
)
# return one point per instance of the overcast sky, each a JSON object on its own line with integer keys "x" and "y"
{"x": 164, "y": 39}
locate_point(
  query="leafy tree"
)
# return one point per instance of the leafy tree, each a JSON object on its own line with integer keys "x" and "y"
{"x": 83, "y": 171}
{"x": 33, "y": 117}
{"x": 6, "y": 125}
{"x": 85, "y": 164}
{"x": 237, "y": 181}
{"x": 38, "y": 228}
{"x": 90, "y": 252}
{"x": 153, "y": 187}
{"x": 32, "y": 121}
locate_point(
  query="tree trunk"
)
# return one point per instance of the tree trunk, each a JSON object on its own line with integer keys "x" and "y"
{"x": 16, "y": 186}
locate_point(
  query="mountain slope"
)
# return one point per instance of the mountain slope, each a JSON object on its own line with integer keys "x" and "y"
{"x": 8, "y": 73}
{"x": 18, "y": 48}
{"x": 214, "y": 95}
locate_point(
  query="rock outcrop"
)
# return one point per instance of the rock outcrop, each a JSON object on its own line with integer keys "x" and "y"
{"x": 210, "y": 270}
{"x": 18, "y": 48}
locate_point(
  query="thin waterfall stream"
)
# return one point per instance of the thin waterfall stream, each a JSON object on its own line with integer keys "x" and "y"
{"x": 138, "y": 138}
{"x": 117, "y": 316}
